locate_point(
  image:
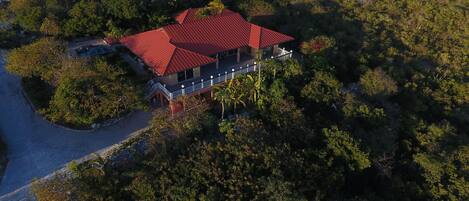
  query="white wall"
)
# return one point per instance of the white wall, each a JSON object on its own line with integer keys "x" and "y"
{"x": 172, "y": 79}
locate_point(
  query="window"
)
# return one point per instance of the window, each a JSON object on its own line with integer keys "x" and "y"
{"x": 181, "y": 76}
{"x": 185, "y": 75}
{"x": 268, "y": 52}
{"x": 189, "y": 74}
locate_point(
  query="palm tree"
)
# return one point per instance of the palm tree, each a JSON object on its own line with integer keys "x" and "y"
{"x": 253, "y": 87}
{"x": 237, "y": 97}
{"x": 222, "y": 95}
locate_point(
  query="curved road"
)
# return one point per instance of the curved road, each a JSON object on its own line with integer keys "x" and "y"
{"x": 36, "y": 147}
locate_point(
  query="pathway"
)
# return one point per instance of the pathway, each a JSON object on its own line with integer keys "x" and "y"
{"x": 36, "y": 147}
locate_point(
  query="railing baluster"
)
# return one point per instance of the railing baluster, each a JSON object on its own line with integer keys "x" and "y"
{"x": 193, "y": 87}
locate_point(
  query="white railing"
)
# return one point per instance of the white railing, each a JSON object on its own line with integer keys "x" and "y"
{"x": 199, "y": 85}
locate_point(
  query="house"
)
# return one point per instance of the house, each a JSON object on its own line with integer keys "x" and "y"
{"x": 199, "y": 52}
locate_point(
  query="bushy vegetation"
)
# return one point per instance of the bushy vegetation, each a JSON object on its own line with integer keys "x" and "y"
{"x": 78, "y": 18}
{"x": 377, "y": 108}
{"x": 75, "y": 92}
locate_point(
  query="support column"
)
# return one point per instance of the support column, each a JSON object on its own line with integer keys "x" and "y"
{"x": 238, "y": 58}
{"x": 161, "y": 99}
{"x": 175, "y": 107}
{"x": 218, "y": 61}
{"x": 276, "y": 51}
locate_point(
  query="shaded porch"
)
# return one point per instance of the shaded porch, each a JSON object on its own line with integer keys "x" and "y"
{"x": 210, "y": 76}
{"x": 225, "y": 66}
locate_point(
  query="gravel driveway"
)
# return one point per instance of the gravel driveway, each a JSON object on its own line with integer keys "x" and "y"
{"x": 36, "y": 147}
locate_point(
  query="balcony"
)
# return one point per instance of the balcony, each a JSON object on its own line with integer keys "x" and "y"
{"x": 210, "y": 76}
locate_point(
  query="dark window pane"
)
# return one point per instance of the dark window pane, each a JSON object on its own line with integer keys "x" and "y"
{"x": 181, "y": 76}
{"x": 190, "y": 74}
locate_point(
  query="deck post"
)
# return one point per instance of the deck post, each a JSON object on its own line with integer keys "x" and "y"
{"x": 161, "y": 99}
{"x": 218, "y": 61}
{"x": 183, "y": 90}
{"x": 232, "y": 73}
{"x": 193, "y": 87}
{"x": 238, "y": 55}
{"x": 225, "y": 75}
{"x": 202, "y": 80}
{"x": 211, "y": 84}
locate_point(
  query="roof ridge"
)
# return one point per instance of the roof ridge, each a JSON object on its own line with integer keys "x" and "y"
{"x": 184, "y": 49}
{"x": 172, "y": 56}
{"x": 183, "y": 14}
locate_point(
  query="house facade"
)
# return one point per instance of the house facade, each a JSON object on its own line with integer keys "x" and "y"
{"x": 200, "y": 51}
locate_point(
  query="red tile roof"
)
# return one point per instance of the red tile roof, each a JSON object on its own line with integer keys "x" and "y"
{"x": 191, "y": 42}
{"x": 165, "y": 58}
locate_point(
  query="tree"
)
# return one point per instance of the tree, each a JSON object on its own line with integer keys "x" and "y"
{"x": 86, "y": 19}
{"x": 443, "y": 178}
{"x": 28, "y": 13}
{"x": 213, "y": 8}
{"x": 317, "y": 45}
{"x": 236, "y": 93}
{"x": 377, "y": 83}
{"x": 50, "y": 27}
{"x": 43, "y": 59}
{"x": 256, "y": 8}
{"x": 284, "y": 70}
{"x": 123, "y": 9}
{"x": 252, "y": 86}
{"x": 88, "y": 93}
{"x": 142, "y": 188}
{"x": 222, "y": 95}
{"x": 280, "y": 190}
{"x": 343, "y": 146}
{"x": 452, "y": 94}
{"x": 323, "y": 88}
{"x": 56, "y": 188}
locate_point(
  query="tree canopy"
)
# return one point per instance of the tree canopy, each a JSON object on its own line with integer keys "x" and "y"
{"x": 373, "y": 106}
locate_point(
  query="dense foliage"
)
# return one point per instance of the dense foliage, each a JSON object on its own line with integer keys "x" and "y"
{"x": 376, "y": 108}
{"x": 92, "y": 92}
{"x": 76, "y": 92}
{"x": 78, "y": 18}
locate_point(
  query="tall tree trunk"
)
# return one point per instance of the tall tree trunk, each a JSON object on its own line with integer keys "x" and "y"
{"x": 222, "y": 110}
